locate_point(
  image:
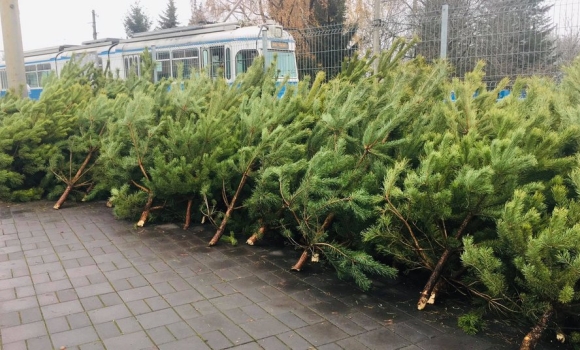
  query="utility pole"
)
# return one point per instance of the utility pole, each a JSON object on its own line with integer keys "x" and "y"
{"x": 13, "y": 51}
{"x": 376, "y": 31}
{"x": 94, "y": 26}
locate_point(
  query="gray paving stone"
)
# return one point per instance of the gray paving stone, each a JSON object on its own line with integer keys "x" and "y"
{"x": 19, "y": 345}
{"x": 454, "y": 341}
{"x": 61, "y": 309}
{"x": 294, "y": 341}
{"x": 23, "y": 332}
{"x": 74, "y": 337}
{"x": 183, "y": 297}
{"x": 137, "y": 293}
{"x": 185, "y": 344}
{"x": 158, "y": 318}
{"x": 18, "y": 304}
{"x": 216, "y": 340}
{"x": 272, "y": 343}
{"x": 264, "y": 327}
{"x": 180, "y": 330}
{"x": 384, "y": 339}
{"x": 108, "y": 330}
{"x": 321, "y": 333}
{"x": 231, "y": 301}
{"x": 78, "y": 320}
{"x": 137, "y": 340}
{"x": 110, "y": 313}
{"x": 352, "y": 344}
{"x": 160, "y": 335}
{"x": 94, "y": 289}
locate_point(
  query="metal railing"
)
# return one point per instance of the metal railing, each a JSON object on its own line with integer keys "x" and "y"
{"x": 513, "y": 37}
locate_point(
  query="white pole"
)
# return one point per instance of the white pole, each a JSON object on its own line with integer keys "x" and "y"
{"x": 13, "y": 51}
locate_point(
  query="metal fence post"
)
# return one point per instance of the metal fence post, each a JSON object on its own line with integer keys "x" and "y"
{"x": 376, "y": 32}
{"x": 154, "y": 59}
{"x": 444, "y": 24}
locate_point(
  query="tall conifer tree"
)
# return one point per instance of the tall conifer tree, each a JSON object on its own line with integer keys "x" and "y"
{"x": 169, "y": 17}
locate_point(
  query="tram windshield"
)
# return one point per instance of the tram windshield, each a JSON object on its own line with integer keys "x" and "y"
{"x": 285, "y": 63}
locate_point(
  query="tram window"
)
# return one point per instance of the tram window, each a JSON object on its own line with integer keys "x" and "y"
{"x": 188, "y": 58}
{"x": 44, "y": 70}
{"x": 165, "y": 71}
{"x": 163, "y": 59}
{"x": 31, "y": 76}
{"x": 132, "y": 65}
{"x": 217, "y": 59}
{"x": 285, "y": 63}
{"x": 163, "y": 55}
{"x": 3, "y": 79}
{"x": 244, "y": 59}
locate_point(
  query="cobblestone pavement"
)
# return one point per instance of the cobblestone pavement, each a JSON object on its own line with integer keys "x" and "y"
{"x": 78, "y": 278}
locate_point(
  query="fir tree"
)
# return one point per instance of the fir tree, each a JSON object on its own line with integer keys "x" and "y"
{"x": 169, "y": 18}
{"x": 136, "y": 21}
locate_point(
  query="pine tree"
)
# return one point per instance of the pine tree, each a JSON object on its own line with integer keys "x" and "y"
{"x": 136, "y": 21}
{"x": 199, "y": 119}
{"x": 128, "y": 153}
{"x": 169, "y": 18}
{"x": 73, "y": 165}
{"x": 476, "y": 152}
{"x": 261, "y": 125}
{"x": 534, "y": 266}
{"x": 32, "y": 131}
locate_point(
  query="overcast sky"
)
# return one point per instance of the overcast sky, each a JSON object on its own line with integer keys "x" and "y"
{"x": 48, "y": 23}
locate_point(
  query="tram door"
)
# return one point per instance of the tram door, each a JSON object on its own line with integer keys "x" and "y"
{"x": 217, "y": 60}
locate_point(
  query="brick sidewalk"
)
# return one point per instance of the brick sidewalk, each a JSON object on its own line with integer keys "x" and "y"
{"x": 78, "y": 278}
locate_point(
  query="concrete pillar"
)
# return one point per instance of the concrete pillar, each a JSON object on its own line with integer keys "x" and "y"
{"x": 13, "y": 51}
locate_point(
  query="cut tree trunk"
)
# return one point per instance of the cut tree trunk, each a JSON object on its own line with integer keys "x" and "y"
{"x": 146, "y": 211}
{"x": 256, "y": 236}
{"x": 230, "y": 209}
{"x": 300, "y": 264}
{"x": 436, "y": 273}
{"x": 188, "y": 214}
{"x": 433, "y": 280}
{"x": 531, "y": 339}
{"x": 73, "y": 181}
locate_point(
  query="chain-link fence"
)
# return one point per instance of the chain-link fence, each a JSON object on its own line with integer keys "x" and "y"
{"x": 513, "y": 37}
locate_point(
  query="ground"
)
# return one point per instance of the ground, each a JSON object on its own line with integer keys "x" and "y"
{"x": 78, "y": 278}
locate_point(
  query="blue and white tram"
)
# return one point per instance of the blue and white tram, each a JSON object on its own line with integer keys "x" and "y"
{"x": 222, "y": 47}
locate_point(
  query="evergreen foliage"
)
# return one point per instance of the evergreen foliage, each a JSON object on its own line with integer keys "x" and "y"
{"x": 169, "y": 17}
{"x": 136, "y": 20}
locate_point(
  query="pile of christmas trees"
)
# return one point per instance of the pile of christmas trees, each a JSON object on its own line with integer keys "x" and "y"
{"x": 483, "y": 194}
